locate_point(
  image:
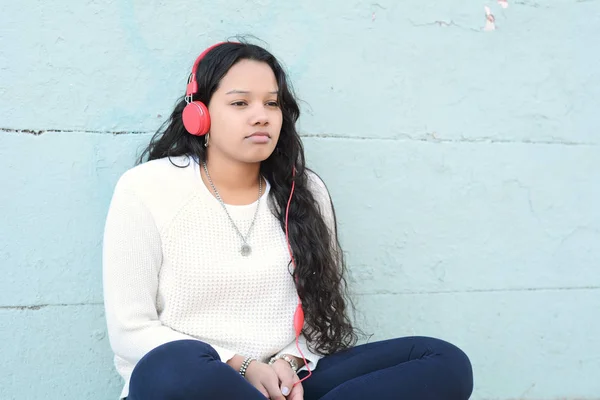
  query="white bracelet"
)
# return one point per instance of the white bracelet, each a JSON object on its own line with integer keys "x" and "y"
{"x": 245, "y": 365}
{"x": 285, "y": 357}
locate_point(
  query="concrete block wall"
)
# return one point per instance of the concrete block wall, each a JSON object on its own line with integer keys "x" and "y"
{"x": 463, "y": 161}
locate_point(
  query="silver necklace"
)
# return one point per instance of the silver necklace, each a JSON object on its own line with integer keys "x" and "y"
{"x": 245, "y": 249}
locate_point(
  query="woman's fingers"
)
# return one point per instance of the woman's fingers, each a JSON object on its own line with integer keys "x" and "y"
{"x": 297, "y": 391}
{"x": 286, "y": 376}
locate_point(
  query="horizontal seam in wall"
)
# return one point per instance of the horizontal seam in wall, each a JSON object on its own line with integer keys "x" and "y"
{"x": 377, "y": 293}
{"x": 35, "y": 307}
{"x": 429, "y": 138}
{"x": 468, "y": 291}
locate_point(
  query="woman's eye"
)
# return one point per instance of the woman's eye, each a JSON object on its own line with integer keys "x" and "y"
{"x": 243, "y": 103}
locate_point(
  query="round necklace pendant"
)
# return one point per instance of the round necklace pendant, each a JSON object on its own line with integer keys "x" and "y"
{"x": 246, "y": 250}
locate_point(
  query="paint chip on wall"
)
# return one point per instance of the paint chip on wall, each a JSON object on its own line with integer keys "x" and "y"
{"x": 490, "y": 20}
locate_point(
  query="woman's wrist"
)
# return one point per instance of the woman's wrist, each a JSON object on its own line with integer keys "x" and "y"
{"x": 240, "y": 363}
{"x": 291, "y": 360}
{"x": 235, "y": 362}
{"x": 245, "y": 364}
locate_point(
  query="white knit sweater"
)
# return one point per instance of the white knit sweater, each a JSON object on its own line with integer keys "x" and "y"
{"x": 172, "y": 269}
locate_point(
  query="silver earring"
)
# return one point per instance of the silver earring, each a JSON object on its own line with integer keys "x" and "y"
{"x": 206, "y": 140}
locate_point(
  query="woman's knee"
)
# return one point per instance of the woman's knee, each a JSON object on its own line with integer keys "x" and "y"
{"x": 458, "y": 365}
{"x": 177, "y": 354}
{"x": 185, "y": 346}
{"x": 174, "y": 369}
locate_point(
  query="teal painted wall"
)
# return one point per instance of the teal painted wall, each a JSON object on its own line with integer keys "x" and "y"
{"x": 464, "y": 164}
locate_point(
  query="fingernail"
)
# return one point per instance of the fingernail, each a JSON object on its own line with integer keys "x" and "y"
{"x": 285, "y": 391}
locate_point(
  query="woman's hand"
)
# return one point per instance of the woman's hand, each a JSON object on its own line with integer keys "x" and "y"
{"x": 288, "y": 377}
{"x": 265, "y": 378}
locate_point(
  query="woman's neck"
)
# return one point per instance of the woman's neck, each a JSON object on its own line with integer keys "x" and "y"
{"x": 236, "y": 182}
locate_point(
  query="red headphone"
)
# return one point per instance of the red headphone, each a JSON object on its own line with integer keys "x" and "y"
{"x": 196, "y": 121}
{"x": 196, "y": 118}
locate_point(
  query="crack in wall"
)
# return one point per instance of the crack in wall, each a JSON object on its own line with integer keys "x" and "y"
{"x": 42, "y": 131}
{"x": 530, "y": 3}
{"x": 36, "y": 307}
{"x": 468, "y": 291}
{"x": 443, "y": 24}
{"x": 432, "y": 137}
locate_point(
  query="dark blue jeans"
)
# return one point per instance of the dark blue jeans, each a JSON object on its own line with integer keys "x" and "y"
{"x": 411, "y": 368}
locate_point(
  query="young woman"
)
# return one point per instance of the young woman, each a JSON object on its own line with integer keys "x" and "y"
{"x": 223, "y": 275}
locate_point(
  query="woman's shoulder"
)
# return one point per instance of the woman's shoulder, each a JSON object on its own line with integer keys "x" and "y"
{"x": 161, "y": 186}
{"x": 322, "y": 197}
{"x": 156, "y": 173}
{"x": 316, "y": 184}
{"x": 321, "y": 194}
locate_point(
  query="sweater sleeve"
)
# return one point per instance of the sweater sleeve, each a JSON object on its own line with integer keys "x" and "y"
{"x": 311, "y": 358}
{"x": 132, "y": 256}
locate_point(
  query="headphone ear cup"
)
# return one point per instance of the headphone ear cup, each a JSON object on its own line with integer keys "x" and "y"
{"x": 196, "y": 119}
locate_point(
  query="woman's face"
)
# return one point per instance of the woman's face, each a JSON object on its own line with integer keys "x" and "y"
{"x": 245, "y": 115}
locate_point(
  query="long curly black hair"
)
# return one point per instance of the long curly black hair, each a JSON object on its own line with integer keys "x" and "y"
{"x": 320, "y": 267}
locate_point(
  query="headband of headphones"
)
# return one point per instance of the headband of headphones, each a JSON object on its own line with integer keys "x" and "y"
{"x": 192, "y": 86}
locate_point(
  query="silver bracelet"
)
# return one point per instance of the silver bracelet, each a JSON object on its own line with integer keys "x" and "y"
{"x": 245, "y": 365}
{"x": 285, "y": 357}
